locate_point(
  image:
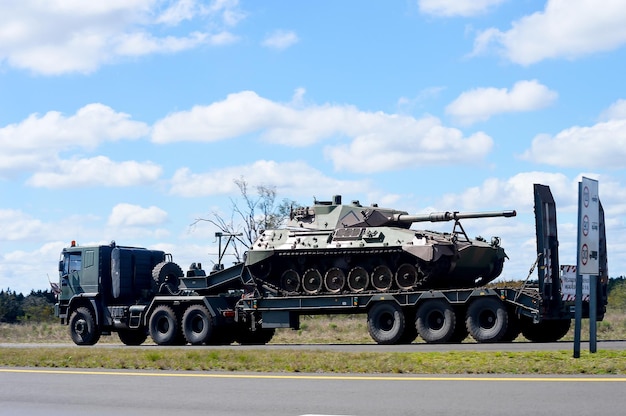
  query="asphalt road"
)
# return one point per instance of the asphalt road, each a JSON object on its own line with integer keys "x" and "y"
{"x": 49, "y": 392}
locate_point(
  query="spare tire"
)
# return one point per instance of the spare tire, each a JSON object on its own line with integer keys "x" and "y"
{"x": 165, "y": 277}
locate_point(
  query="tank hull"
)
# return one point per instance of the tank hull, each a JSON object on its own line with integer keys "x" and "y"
{"x": 383, "y": 259}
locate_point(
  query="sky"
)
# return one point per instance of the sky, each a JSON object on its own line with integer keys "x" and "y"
{"x": 128, "y": 120}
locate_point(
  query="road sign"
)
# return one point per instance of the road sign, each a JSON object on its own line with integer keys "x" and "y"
{"x": 589, "y": 237}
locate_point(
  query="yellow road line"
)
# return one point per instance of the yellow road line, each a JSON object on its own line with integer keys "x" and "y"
{"x": 572, "y": 379}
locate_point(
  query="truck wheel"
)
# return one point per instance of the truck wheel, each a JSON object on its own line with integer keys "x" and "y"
{"x": 386, "y": 322}
{"x": 486, "y": 319}
{"x": 435, "y": 321}
{"x": 132, "y": 336}
{"x": 163, "y": 326}
{"x": 197, "y": 324}
{"x": 83, "y": 328}
{"x": 545, "y": 331}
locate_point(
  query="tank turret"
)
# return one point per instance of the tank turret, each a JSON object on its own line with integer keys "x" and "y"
{"x": 334, "y": 247}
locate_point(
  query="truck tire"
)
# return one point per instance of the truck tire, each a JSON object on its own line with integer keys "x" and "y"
{"x": 435, "y": 321}
{"x": 386, "y": 322}
{"x": 163, "y": 326}
{"x": 132, "y": 336}
{"x": 198, "y": 325}
{"x": 165, "y": 277}
{"x": 83, "y": 328}
{"x": 486, "y": 319}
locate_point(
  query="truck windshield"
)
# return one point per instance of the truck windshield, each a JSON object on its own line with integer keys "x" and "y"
{"x": 71, "y": 263}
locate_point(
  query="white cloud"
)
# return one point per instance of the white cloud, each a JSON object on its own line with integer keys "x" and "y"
{"x": 17, "y": 225}
{"x": 515, "y": 192}
{"x": 56, "y": 37}
{"x": 449, "y": 8}
{"x": 386, "y": 142}
{"x": 480, "y": 104}
{"x": 602, "y": 145}
{"x": 35, "y": 142}
{"x": 564, "y": 29}
{"x": 129, "y": 215}
{"x": 380, "y": 141}
{"x": 96, "y": 171}
{"x": 281, "y": 39}
{"x": 290, "y": 178}
{"x": 21, "y": 272}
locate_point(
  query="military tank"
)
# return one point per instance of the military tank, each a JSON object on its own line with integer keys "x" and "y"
{"x": 332, "y": 247}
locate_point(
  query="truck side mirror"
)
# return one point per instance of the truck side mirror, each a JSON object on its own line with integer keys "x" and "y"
{"x": 60, "y": 265}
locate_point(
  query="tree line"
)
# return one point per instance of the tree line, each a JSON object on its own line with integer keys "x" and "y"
{"x": 38, "y": 306}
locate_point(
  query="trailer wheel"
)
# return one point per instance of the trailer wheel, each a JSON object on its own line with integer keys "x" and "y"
{"x": 386, "y": 322}
{"x": 164, "y": 327}
{"x": 132, "y": 336}
{"x": 460, "y": 330}
{"x": 197, "y": 324}
{"x": 83, "y": 328}
{"x": 435, "y": 321}
{"x": 486, "y": 319}
{"x": 261, "y": 336}
{"x": 545, "y": 331}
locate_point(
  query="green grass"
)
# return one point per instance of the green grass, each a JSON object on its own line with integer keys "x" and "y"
{"x": 316, "y": 361}
{"x": 314, "y": 330}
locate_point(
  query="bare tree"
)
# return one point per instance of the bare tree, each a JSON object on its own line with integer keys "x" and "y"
{"x": 259, "y": 213}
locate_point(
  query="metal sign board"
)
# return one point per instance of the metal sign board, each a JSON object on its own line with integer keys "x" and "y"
{"x": 589, "y": 225}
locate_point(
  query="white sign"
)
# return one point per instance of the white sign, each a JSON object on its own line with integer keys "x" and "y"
{"x": 568, "y": 284}
{"x": 588, "y": 232}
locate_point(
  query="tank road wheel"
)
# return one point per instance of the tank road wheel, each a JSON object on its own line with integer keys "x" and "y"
{"x": 358, "y": 279}
{"x": 197, "y": 324}
{"x": 83, "y": 328}
{"x": 132, "y": 336}
{"x": 386, "y": 322}
{"x": 165, "y": 276}
{"x": 486, "y": 319}
{"x": 312, "y": 281}
{"x": 435, "y": 321}
{"x": 163, "y": 326}
{"x": 545, "y": 331}
{"x": 334, "y": 280}
{"x": 406, "y": 276}
{"x": 382, "y": 277}
{"x": 290, "y": 281}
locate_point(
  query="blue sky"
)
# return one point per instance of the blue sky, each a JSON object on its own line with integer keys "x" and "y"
{"x": 127, "y": 120}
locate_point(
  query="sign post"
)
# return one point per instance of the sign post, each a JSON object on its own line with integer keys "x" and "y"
{"x": 587, "y": 257}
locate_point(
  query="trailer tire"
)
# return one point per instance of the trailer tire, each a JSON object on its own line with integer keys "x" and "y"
{"x": 132, "y": 336}
{"x": 83, "y": 328}
{"x": 164, "y": 327}
{"x": 261, "y": 336}
{"x": 197, "y": 324}
{"x": 486, "y": 319}
{"x": 545, "y": 331}
{"x": 386, "y": 322}
{"x": 435, "y": 321}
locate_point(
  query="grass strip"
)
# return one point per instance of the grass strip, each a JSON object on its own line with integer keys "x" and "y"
{"x": 314, "y": 361}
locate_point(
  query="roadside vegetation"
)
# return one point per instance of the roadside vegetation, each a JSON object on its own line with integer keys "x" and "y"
{"x": 36, "y": 325}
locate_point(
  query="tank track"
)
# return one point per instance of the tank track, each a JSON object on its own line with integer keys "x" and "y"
{"x": 313, "y": 272}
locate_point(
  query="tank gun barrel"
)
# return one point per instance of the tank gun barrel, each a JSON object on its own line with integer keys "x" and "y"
{"x": 450, "y": 216}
